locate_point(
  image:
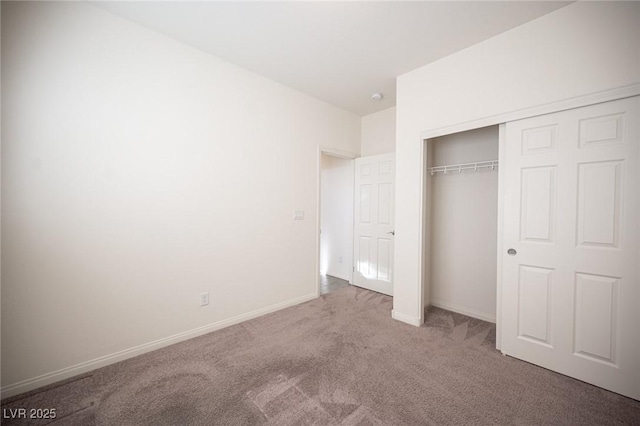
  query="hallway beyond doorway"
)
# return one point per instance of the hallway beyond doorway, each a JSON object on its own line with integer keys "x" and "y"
{"x": 330, "y": 284}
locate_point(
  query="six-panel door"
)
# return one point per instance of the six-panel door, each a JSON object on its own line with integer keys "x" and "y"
{"x": 571, "y": 290}
{"x": 373, "y": 227}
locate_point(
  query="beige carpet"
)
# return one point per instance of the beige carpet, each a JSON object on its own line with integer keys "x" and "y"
{"x": 339, "y": 359}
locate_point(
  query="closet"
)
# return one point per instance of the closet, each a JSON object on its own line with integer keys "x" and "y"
{"x": 461, "y": 215}
{"x": 568, "y": 227}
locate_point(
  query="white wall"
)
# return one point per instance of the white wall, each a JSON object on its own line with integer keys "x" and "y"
{"x": 379, "y": 132}
{"x": 464, "y": 221}
{"x": 336, "y": 217}
{"x": 581, "y": 49}
{"x": 137, "y": 173}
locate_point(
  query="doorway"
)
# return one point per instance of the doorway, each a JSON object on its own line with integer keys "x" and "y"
{"x": 336, "y": 222}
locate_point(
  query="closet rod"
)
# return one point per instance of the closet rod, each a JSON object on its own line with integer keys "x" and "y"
{"x": 493, "y": 164}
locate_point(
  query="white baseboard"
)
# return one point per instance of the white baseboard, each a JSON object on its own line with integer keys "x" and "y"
{"x": 463, "y": 311}
{"x": 340, "y": 276}
{"x": 83, "y": 367}
{"x": 406, "y": 318}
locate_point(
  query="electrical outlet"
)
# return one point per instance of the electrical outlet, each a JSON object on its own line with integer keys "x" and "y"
{"x": 204, "y": 299}
{"x": 339, "y": 259}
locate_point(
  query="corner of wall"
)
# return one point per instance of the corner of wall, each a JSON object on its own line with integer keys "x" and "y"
{"x": 378, "y": 132}
{"x": 415, "y": 321}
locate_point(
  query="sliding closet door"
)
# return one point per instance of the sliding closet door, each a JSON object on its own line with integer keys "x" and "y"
{"x": 571, "y": 256}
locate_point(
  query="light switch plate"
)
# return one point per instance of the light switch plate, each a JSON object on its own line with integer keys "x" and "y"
{"x": 298, "y": 215}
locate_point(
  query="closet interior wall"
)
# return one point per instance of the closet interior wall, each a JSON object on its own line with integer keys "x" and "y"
{"x": 462, "y": 219}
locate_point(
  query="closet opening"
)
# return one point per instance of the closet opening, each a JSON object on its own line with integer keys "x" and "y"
{"x": 461, "y": 223}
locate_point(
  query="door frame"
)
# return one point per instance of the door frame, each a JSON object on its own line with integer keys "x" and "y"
{"x": 347, "y": 155}
{"x": 501, "y": 120}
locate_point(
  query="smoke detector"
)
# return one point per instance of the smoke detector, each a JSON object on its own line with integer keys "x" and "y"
{"x": 377, "y": 96}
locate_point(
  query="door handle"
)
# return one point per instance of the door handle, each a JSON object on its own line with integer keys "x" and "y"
{"x": 392, "y": 232}
{"x": 512, "y": 252}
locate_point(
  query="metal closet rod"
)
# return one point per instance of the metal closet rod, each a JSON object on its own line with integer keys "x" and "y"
{"x": 493, "y": 164}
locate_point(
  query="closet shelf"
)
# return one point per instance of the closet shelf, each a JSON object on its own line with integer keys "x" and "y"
{"x": 493, "y": 164}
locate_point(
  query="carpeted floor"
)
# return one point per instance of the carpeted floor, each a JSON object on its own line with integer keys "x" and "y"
{"x": 339, "y": 359}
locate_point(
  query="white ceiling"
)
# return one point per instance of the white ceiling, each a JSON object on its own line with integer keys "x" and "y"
{"x": 339, "y": 52}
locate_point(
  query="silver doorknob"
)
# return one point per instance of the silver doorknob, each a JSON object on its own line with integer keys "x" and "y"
{"x": 392, "y": 232}
{"x": 512, "y": 252}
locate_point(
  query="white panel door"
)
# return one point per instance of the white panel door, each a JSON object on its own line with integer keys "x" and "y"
{"x": 373, "y": 227}
{"x": 571, "y": 290}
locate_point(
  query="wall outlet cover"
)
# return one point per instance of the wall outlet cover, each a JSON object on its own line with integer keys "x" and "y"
{"x": 204, "y": 299}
